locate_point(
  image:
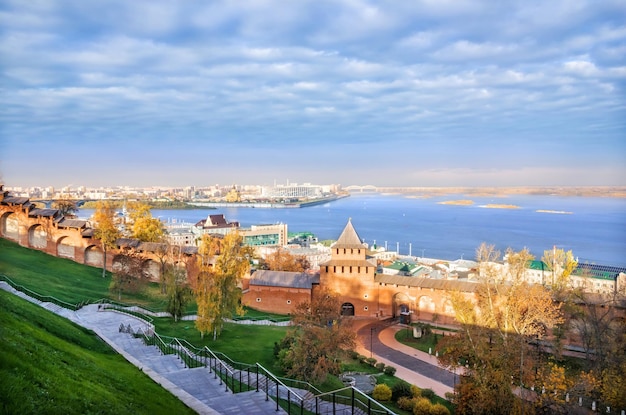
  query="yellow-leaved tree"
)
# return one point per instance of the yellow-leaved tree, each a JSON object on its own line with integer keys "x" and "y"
{"x": 221, "y": 264}
{"x": 105, "y": 229}
{"x": 498, "y": 326}
{"x": 143, "y": 226}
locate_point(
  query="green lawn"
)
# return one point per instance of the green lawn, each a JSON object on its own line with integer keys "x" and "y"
{"x": 50, "y": 365}
{"x": 65, "y": 279}
{"x": 242, "y": 343}
{"x": 405, "y": 336}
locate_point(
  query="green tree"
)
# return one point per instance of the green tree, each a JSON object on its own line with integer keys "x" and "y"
{"x": 320, "y": 337}
{"x": 177, "y": 290}
{"x": 222, "y": 263}
{"x": 106, "y": 229}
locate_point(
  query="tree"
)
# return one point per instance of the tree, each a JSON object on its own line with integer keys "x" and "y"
{"x": 143, "y": 226}
{"x": 105, "y": 229}
{"x": 177, "y": 289}
{"x": 283, "y": 260}
{"x": 222, "y": 263}
{"x": 127, "y": 275}
{"x": 561, "y": 264}
{"x": 66, "y": 206}
{"x": 498, "y": 324}
{"x": 319, "y": 338}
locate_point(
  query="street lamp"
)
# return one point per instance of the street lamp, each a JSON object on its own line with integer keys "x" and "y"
{"x": 372, "y": 330}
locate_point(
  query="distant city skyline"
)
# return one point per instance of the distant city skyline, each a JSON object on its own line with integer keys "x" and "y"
{"x": 425, "y": 93}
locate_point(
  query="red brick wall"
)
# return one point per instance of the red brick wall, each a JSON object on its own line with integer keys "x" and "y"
{"x": 275, "y": 299}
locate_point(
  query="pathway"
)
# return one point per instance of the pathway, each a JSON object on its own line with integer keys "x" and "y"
{"x": 197, "y": 388}
{"x": 377, "y": 339}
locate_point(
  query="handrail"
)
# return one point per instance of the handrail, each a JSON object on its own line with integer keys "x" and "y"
{"x": 40, "y": 297}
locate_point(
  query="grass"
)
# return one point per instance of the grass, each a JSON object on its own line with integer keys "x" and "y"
{"x": 405, "y": 337}
{"x": 50, "y": 365}
{"x": 242, "y": 343}
{"x": 65, "y": 279}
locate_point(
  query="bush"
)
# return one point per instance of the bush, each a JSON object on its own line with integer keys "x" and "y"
{"x": 406, "y": 404}
{"x": 439, "y": 409}
{"x": 390, "y": 371}
{"x": 400, "y": 390}
{"x": 354, "y": 355}
{"x": 422, "y": 406}
{"x": 415, "y": 391}
{"x": 380, "y": 367}
{"x": 362, "y": 359}
{"x": 370, "y": 361}
{"x": 429, "y": 394}
{"x": 382, "y": 393}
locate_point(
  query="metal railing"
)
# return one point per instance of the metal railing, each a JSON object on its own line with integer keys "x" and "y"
{"x": 40, "y": 297}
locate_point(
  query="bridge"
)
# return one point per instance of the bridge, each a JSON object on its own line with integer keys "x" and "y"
{"x": 368, "y": 188}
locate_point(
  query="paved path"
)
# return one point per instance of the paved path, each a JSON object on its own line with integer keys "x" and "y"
{"x": 197, "y": 388}
{"x": 412, "y": 365}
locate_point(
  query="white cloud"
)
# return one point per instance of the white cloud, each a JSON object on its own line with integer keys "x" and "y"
{"x": 353, "y": 71}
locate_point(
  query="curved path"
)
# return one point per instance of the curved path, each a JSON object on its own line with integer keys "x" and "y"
{"x": 377, "y": 339}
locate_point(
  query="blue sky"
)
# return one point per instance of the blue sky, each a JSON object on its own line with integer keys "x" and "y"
{"x": 416, "y": 93}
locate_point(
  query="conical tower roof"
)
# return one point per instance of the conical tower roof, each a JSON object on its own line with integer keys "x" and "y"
{"x": 349, "y": 238}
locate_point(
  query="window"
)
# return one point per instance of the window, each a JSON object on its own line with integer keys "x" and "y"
{"x": 258, "y": 300}
{"x": 365, "y": 296}
{"x": 366, "y": 308}
{"x": 288, "y": 301}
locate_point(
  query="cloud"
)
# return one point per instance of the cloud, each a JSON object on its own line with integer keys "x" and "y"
{"x": 462, "y": 84}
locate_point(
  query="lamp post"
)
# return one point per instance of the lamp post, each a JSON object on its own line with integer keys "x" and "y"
{"x": 372, "y": 330}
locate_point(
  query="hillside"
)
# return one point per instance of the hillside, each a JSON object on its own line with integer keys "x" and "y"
{"x": 50, "y": 365}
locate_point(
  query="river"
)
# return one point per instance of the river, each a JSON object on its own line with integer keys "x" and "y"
{"x": 593, "y": 228}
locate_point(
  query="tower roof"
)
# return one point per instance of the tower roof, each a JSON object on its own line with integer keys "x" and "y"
{"x": 349, "y": 238}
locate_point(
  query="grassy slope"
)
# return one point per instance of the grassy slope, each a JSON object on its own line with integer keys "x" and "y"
{"x": 242, "y": 343}
{"x": 50, "y": 365}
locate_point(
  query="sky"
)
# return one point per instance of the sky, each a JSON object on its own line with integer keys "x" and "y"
{"x": 388, "y": 93}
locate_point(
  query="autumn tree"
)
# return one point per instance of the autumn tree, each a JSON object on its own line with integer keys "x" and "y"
{"x": 283, "y": 260}
{"x": 221, "y": 264}
{"x": 66, "y": 206}
{"x": 560, "y": 264}
{"x": 105, "y": 229}
{"x": 142, "y": 225}
{"x": 127, "y": 274}
{"x": 319, "y": 338}
{"x": 177, "y": 290}
{"x": 498, "y": 324}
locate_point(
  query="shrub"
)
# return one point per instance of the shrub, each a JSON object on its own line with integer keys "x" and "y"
{"x": 390, "y": 370}
{"x": 362, "y": 359}
{"x": 382, "y": 392}
{"x": 406, "y": 403}
{"x": 422, "y": 406}
{"x": 401, "y": 389}
{"x": 353, "y": 355}
{"x": 428, "y": 393}
{"x": 370, "y": 361}
{"x": 439, "y": 409}
{"x": 380, "y": 367}
{"x": 415, "y": 391}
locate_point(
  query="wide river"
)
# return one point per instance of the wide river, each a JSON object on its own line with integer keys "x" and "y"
{"x": 594, "y": 228}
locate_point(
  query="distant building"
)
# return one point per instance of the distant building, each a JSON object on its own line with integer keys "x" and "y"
{"x": 265, "y": 235}
{"x": 214, "y": 224}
